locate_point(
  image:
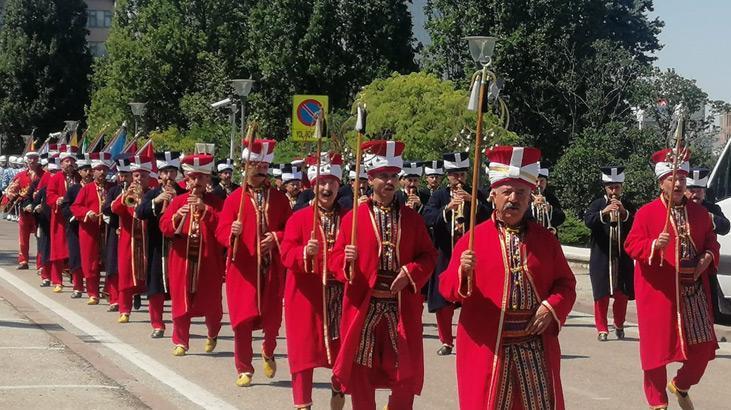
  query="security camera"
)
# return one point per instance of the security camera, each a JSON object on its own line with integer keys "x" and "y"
{"x": 222, "y": 103}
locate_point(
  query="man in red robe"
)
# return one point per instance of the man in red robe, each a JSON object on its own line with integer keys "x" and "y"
{"x": 313, "y": 298}
{"x": 516, "y": 290}
{"x": 254, "y": 271}
{"x": 131, "y": 262}
{"x": 87, "y": 209}
{"x": 20, "y": 193}
{"x": 673, "y": 261}
{"x": 381, "y": 344}
{"x": 195, "y": 258}
{"x": 57, "y": 186}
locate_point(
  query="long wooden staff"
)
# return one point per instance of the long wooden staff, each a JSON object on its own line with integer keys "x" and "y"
{"x": 677, "y": 156}
{"x": 319, "y": 134}
{"x": 467, "y": 281}
{"x": 244, "y": 188}
{"x": 360, "y": 128}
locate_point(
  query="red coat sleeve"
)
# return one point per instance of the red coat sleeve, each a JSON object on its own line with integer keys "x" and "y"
{"x": 337, "y": 256}
{"x": 562, "y": 294}
{"x": 52, "y": 193}
{"x": 166, "y": 220}
{"x": 638, "y": 244}
{"x": 120, "y": 208}
{"x": 293, "y": 244}
{"x": 282, "y": 205}
{"x": 80, "y": 208}
{"x": 425, "y": 255}
{"x": 449, "y": 280}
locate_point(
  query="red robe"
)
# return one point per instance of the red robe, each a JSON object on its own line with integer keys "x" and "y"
{"x": 480, "y": 321}
{"x": 90, "y": 231}
{"x": 656, "y": 290}
{"x": 415, "y": 252}
{"x": 207, "y": 297}
{"x": 57, "y": 189}
{"x": 124, "y": 247}
{"x": 304, "y": 297}
{"x": 242, "y": 284}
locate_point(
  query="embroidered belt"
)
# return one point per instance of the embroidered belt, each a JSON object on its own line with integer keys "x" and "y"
{"x": 384, "y": 280}
{"x": 514, "y": 325}
{"x": 687, "y": 271}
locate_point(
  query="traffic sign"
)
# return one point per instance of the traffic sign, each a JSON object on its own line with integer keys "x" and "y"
{"x": 304, "y": 114}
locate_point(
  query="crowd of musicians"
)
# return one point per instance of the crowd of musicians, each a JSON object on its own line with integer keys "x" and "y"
{"x": 351, "y": 285}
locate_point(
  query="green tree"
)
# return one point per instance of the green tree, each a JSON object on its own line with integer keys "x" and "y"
{"x": 551, "y": 55}
{"x": 427, "y": 113}
{"x": 44, "y": 66}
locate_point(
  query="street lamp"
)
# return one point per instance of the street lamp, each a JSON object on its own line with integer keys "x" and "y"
{"x": 138, "y": 111}
{"x": 242, "y": 88}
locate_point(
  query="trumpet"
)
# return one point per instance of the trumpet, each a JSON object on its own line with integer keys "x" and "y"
{"x": 458, "y": 218}
{"x": 542, "y": 210}
{"x": 132, "y": 195}
{"x": 614, "y": 215}
{"x": 192, "y": 250}
{"x": 615, "y": 244}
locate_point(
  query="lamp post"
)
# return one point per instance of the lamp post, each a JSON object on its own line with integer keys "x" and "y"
{"x": 242, "y": 88}
{"x": 138, "y": 111}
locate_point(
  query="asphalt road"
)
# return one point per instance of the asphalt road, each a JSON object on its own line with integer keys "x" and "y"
{"x": 58, "y": 352}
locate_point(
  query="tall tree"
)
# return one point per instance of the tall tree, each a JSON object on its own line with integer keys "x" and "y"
{"x": 44, "y": 66}
{"x": 549, "y": 53}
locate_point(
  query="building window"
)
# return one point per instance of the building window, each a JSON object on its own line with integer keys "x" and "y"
{"x": 99, "y": 19}
{"x": 97, "y": 48}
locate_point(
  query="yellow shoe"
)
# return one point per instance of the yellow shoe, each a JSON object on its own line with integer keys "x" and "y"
{"x": 683, "y": 398}
{"x": 210, "y": 344}
{"x": 93, "y": 301}
{"x": 123, "y": 318}
{"x": 270, "y": 366}
{"x": 179, "y": 351}
{"x": 58, "y": 289}
{"x": 244, "y": 380}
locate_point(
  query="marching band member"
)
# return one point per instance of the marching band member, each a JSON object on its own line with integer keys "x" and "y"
{"x": 447, "y": 215}
{"x": 55, "y": 192}
{"x": 291, "y": 183}
{"x": 381, "y": 344}
{"x": 225, "y": 185}
{"x": 87, "y": 209}
{"x": 410, "y": 194}
{"x": 42, "y": 214}
{"x": 508, "y": 353}
{"x": 131, "y": 257}
{"x": 673, "y": 261}
{"x": 190, "y": 223}
{"x": 610, "y": 268}
{"x": 434, "y": 172}
{"x": 696, "y": 183}
{"x": 19, "y": 192}
{"x": 276, "y": 172}
{"x": 313, "y": 297}
{"x": 83, "y": 169}
{"x": 254, "y": 275}
{"x": 111, "y": 265}
{"x": 546, "y": 208}
{"x": 150, "y": 209}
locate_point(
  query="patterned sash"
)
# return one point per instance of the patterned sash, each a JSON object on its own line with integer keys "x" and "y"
{"x": 697, "y": 323}
{"x": 524, "y": 371}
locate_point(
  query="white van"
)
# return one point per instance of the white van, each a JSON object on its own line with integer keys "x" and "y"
{"x": 720, "y": 185}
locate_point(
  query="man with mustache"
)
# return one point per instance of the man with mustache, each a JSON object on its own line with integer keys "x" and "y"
{"x": 87, "y": 210}
{"x": 150, "y": 209}
{"x": 55, "y": 192}
{"x": 673, "y": 262}
{"x": 381, "y": 344}
{"x": 254, "y": 274}
{"x": 225, "y": 185}
{"x": 696, "y": 191}
{"x": 313, "y": 297}
{"x": 516, "y": 291}
{"x": 132, "y": 232}
{"x": 442, "y": 216}
{"x": 83, "y": 168}
{"x": 434, "y": 172}
{"x": 195, "y": 258}
{"x": 610, "y": 268}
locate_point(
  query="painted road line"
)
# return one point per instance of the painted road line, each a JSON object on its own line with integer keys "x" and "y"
{"x": 180, "y": 384}
{"x": 60, "y": 386}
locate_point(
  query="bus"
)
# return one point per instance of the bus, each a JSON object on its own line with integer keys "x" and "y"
{"x": 719, "y": 186}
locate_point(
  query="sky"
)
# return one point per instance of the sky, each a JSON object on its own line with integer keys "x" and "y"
{"x": 696, "y": 39}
